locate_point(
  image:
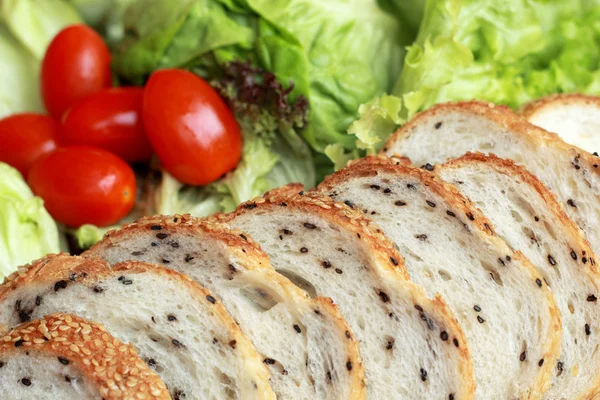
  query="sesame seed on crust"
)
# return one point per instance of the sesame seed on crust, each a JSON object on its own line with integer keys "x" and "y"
{"x": 93, "y": 355}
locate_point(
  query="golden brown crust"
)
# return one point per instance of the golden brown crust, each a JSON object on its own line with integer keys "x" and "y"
{"x": 509, "y": 167}
{"x": 468, "y": 213}
{"x": 239, "y": 243}
{"x": 501, "y": 115}
{"x": 113, "y": 367}
{"x": 531, "y": 108}
{"x": 388, "y": 261}
{"x": 575, "y": 236}
{"x": 289, "y": 189}
{"x": 251, "y": 258}
{"x": 88, "y": 271}
{"x": 506, "y": 118}
{"x": 341, "y": 214}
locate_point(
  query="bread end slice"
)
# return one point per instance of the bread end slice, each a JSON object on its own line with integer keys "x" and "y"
{"x": 574, "y": 117}
{"x": 64, "y": 343}
{"x": 175, "y": 337}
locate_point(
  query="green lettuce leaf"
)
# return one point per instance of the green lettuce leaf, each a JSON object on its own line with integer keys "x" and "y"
{"x": 506, "y": 52}
{"x": 19, "y": 73}
{"x": 337, "y": 54}
{"x": 35, "y": 23}
{"x": 27, "y": 231}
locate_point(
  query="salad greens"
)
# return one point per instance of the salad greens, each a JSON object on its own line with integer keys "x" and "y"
{"x": 26, "y": 29}
{"x": 312, "y": 83}
{"x": 18, "y": 73}
{"x": 27, "y": 231}
{"x": 506, "y": 52}
{"x": 293, "y": 71}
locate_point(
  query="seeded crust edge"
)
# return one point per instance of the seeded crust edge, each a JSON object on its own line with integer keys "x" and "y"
{"x": 87, "y": 345}
{"x": 249, "y": 256}
{"x": 498, "y": 114}
{"x": 509, "y": 167}
{"x": 371, "y": 166}
{"x": 559, "y": 99}
{"x": 89, "y": 271}
{"x": 338, "y": 213}
{"x": 577, "y": 237}
{"x": 379, "y": 246}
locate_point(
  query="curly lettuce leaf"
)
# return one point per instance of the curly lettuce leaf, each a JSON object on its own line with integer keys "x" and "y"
{"x": 505, "y": 52}
{"x": 337, "y": 54}
{"x": 27, "y": 231}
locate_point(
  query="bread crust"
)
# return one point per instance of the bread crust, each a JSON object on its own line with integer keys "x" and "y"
{"x": 113, "y": 367}
{"x": 244, "y": 248}
{"x": 501, "y": 115}
{"x": 369, "y": 166}
{"x": 509, "y": 167}
{"x": 558, "y": 99}
{"x": 87, "y": 271}
{"x": 388, "y": 260}
{"x": 507, "y": 119}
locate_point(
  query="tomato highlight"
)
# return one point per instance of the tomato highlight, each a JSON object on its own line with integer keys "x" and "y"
{"x": 24, "y": 138}
{"x": 110, "y": 119}
{"x": 84, "y": 185}
{"x": 76, "y": 64}
{"x": 193, "y": 132}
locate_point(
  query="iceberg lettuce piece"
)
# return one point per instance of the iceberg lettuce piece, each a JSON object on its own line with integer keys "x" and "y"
{"x": 27, "y": 231}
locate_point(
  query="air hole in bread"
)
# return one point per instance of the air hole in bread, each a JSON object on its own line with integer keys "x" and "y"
{"x": 228, "y": 384}
{"x": 516, "y": 215}
{"x": 299, "y": 281}
{"x": 259, "y": 298}
{"x": 550, "y": 230}
{"x": 445, "y": 275}
{"x": 523, "y": 204}
{"x": 527, "y": 231}
{"x": 571, "y": 307}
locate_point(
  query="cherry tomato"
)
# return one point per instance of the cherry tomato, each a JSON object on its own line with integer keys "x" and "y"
{"x": 190, "y": 127}
{"x": 84, "y": 185}
{"x": 110, "y": 119}
{"x": 77, "y": 63}
{"x": 24, "y": 138}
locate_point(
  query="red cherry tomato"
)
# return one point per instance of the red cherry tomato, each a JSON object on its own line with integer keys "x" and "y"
{"x": 190, "y": 127}
{"x": 76, "y": 64}
{"x": 24, "y": 138}
{"x": 110, "y": 119}
{"x": 84, "y": 185}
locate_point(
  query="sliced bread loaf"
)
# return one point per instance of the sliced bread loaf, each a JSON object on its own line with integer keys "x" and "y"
{"x": 528, "y": 217}
{"x": 412, "y": 346}
{"x": 450, "y": 130}
{"x": 574, "y": 117}
{"x": 305, "y": 342}
{"x": 504, "y": 306}
{"x": 179, "y": 328}
{"x": 66, "y": 357}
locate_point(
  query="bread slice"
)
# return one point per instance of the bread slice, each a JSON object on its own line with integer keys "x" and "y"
{"x": 412, "y": 346}
{"x": 574, "y": 117}
{"x": 305, "y": 342}
{"x": 66, "y": 357}
{"x": 179, "y": 328}
{"x": 450, "y": 130}
{"x": 504, "y": 306}
{"x": 528, "y": 217}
